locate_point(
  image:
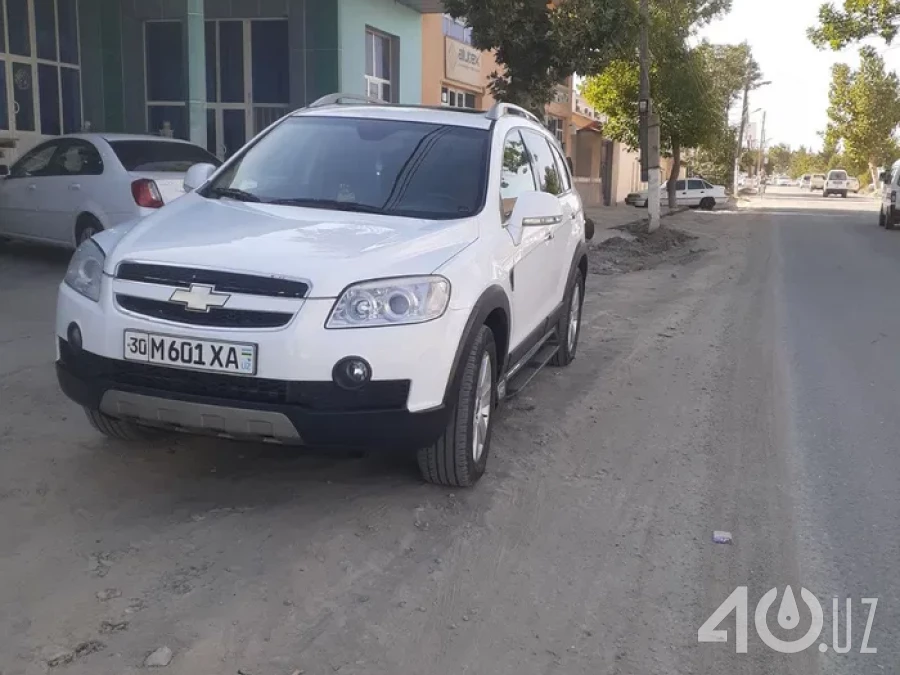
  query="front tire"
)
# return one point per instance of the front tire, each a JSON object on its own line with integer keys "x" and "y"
{"x": 569, "y": 327}
{"x": 708, "y": 203}
{"x": 121, "y": 430}
{"x": 881, "y": 219}
{"x": 459, "y": 457}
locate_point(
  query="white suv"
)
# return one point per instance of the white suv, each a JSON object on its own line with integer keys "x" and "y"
{"x": 358, "y": 275}
{"x": 836, "y": 183}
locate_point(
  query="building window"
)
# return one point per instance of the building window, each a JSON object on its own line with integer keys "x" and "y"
{"x": 457, "y": 99}
{"x": 380, "y": 78}
{"x": 557, "y": 126}
{"x": 457, "y": 29}
{"x": 39, "y": 71}
{"x": 164, "y": 58}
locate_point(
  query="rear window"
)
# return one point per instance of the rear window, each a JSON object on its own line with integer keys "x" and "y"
{"x": 837, "y": 175}
{"x": 163, "y": 156}
{"x": 818, "y": 175}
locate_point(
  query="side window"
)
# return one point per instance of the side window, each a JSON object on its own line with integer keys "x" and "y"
{"x": 563, "y": 170}
{"x": 516, "y": 176}
{"x": 36, "y": 162}
{"x": 679, "y": 185}
{"x": 706, "y": 185}
{"x": 80, "y": 158}
{"x": 895, "y": 174}
{"x": 543, "y": 161}
{"x": 695, "y": 185}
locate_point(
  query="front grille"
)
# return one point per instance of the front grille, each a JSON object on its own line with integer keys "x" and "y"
{"x": 224, "y": 282}
{"x": 216, "y": 316}
{"x": 313, "y": 396}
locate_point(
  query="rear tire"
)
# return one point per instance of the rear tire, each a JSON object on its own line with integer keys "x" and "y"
{"x": 458, "y": 458}
{"x": 889, "y": 220}
{"x": 85, "y": 228}
{"x": 708, "y": 203}
{"x": 880, "y": 218}
{"x": 121, "y": 430}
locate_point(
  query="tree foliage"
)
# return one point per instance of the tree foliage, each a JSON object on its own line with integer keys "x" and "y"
{"x": 539, "y": 44}
{"x": 690, "y": 110}
{"x": 855, "y": 21}
{"x": 780, "y": 158}
{"x": 863, "y": 111}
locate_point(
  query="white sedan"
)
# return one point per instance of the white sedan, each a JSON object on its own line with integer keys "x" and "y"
{"x": 693, "y": 192}
{"x": 67, "y": 189}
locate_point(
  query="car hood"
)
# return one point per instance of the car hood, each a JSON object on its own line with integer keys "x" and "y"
{"x": 331, "y": 249}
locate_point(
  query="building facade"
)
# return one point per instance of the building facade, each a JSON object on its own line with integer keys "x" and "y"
{"x": 214, "y": 71}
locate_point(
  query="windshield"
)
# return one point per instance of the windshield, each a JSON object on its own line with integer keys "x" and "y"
{"x": 350, "y": 164}
{"x": 165, "y": 156}
{"x": 837, "y": 175}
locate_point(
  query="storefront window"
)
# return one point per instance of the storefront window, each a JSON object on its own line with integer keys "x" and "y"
{"x": 164, "y": 58}
{"x": 45, "y": 29}
{"x": 48, "y": 91}
{"x": 67, "y": 19}
{"x": 457, "y": 29}
{"x": 19, "y": 39}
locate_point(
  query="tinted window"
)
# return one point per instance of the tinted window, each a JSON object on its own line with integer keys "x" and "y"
{"x": 160, "y": 155}
{"x": 695, "y": 185}
{"x": 543, "y": 163}
{"x": 383, "y": 166}
{"x": 36, "y": 162}
{"x": 79, "y": 158}
{"x": 516, "y": 176}
{"x": 679, "y": 185}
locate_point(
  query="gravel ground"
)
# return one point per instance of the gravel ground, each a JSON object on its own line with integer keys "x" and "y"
{"x": 586, "y": 549}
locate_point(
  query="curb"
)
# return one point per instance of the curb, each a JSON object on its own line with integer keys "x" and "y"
{"x": 644, "y": 219}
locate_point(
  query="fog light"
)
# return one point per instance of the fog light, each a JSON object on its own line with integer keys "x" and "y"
{"x": 351, "y": 372}
{"x": 73, "y": 333}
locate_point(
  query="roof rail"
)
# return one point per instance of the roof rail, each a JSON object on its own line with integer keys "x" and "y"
{"x": 335, "y": 99}
{"x": 502, "y": 109}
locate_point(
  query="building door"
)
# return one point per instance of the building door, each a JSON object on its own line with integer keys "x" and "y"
{"x": 40, "y": 79}
{"x": 247, "y": 80}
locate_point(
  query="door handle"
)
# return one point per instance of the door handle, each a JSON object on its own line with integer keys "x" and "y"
{"x": 75, "y": 186}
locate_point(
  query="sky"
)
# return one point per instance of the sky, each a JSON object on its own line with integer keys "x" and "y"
{"x": 796, "y": 101}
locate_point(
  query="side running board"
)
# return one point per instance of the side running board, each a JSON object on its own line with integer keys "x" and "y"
{"x": 522, "y": 373}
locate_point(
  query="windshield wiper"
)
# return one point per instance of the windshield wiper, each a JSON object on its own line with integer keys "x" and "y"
{"x": 234, "y": 193}
{"x": 335, "y": 204}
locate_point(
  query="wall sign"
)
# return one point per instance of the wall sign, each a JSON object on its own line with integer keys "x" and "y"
{"x": 462, "y": 63}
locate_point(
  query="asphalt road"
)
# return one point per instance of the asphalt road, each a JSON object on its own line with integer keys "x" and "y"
{"x": 749, "y": 387}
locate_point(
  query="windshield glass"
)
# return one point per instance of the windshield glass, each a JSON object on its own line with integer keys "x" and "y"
{"x": 163, "y": 156}
{"x": 380, "y": 166}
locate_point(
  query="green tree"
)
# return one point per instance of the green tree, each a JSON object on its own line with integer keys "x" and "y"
{"x": 538, "y": 44}
{"x": 863, "y": 111}
{"x": 855, "y": 21}
{"x": 689, "y": 108}
{"x": 780, "y": 158}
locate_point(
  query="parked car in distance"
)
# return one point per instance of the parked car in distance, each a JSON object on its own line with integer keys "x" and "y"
{"x": 817, "y": 182}
{"x": 64, "y": 190}
{"x": 836, "y": 183}
{"x": 888, "y": 215}
{"x": 359, "y": 275}
{"x": 693, "y": 192}
{"x": 805, "y": 181}
{"x": 783, "y": 181}
{"x": 853, "y": 184}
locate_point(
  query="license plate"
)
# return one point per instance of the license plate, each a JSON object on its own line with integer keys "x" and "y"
{"x": 182, "y": 352}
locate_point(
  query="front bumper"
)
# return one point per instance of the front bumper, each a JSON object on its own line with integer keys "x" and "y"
{"x": 316, "y": 413}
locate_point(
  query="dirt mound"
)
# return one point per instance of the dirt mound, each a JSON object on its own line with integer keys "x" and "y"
{"x": 640, "y": 250}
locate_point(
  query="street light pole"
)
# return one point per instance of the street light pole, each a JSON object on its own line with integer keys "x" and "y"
{"x": 762, "y": 146}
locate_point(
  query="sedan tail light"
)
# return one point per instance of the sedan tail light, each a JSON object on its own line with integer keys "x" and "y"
{"x": 146, "y": 193}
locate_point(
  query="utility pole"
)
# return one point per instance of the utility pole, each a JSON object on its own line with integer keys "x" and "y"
{"x": 762, "y": 147}
{"x": 649, "y": 127}
{"x": 741, "y": 129}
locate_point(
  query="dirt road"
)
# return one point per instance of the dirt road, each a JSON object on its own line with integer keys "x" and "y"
{"x": 586, "y": 549}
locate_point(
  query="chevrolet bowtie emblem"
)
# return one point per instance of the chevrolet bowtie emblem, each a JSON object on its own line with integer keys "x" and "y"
{"x": 199, "y": 298}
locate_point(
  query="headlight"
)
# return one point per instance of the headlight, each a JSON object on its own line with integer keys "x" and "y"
{"x": 86, "y": 270}
{"x": 389, "y": 302}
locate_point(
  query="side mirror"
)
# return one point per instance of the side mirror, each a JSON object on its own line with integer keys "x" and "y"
{"x": 4, "y": 170}
{"x": 197, "y": 175}
{"x": 588, "y": 228}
